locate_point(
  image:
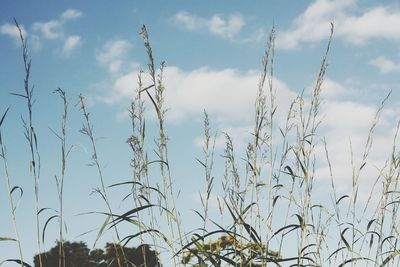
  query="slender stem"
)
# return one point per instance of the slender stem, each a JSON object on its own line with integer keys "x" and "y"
{"x": 30, "y": 135}
{"x": 13, "y": 207}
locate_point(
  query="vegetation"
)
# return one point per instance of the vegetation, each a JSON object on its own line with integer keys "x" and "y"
{"x": 274, "y": 217}
{"x": 78, "y": 255}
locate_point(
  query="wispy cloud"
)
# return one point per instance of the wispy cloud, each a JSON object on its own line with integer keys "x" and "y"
{"x": 12, "y": 31}
{"x": 189, "y": 21}
{"x": 54, "y": 30}
{"x": 71, "y": 14}
{"x": 49, "y": 30}
{"x": 71, "y": 43}
{"x": 112, "y": 55}
{"x": 385, "y": 65}
{"x": 227, "y": 27}
{"x": 353, "y": 25}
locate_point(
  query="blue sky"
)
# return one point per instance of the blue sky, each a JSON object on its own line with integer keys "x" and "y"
{"x": 213, "y": 52}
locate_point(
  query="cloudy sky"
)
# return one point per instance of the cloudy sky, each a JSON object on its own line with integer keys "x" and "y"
{"x": 213, "y": 52}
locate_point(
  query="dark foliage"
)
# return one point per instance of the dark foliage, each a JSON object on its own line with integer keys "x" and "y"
{"x": 77, "y": 254}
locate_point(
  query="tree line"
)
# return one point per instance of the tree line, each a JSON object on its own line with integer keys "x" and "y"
{"x": 77, "y": 254}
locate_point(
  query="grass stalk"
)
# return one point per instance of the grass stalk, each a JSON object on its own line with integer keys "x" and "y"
{"x": 173, "y": 217}
{"x": 60, "y": 178}
{"x": 10, "y": 190}
{"x": 87, "y": 129}
{"x": 30, "y": 133}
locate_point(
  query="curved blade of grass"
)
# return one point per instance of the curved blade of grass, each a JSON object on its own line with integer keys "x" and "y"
{"x": 21, "y": 191}
{"x": 390, "y": 257}
{"x": 386, "y": 239}
{"x": 293, "y": 226}
{"x": 126, "y": 215}
{"x": 391, "y": 203}
{"x": 43, "y": 209}
{"x": 353, "y": 260}
{"x": 252, "y": 232}
{"x": 201, "y": 216}
{"x": 370, "y": 223}
{"x": 344, "y": 239}
{"x": 3, "y": 238}
{"x": 308, "y": 246}
{"x": 4, "y": 116}
{"x": 137, "y": 183}
{"x": 17, "y": 261}
{"x": 335, "y": 252}
{"x": 130, "y": 237}
{"x": 45, "y": 225}
{"x": 101, "y": 230}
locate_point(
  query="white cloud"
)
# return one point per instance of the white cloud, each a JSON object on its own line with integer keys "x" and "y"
{"x": 113, "y": 54}
{"x": 346, "y": 125}
{"x": 70, "y": 14}
{"x": 227, "y": 28}
{"x": 189, "y": 21}
{"x": 71, "y": 43}
{"x": 332, "y": 89}
{"x": 12, "y": 31}
{"x": 227, "y": 95}
{"x": 379, "y": 22}
{"x": 313, "y": 25}
{"x": 53, "y": 29}
{"x": 384, "y": 65}
{"x": 49, "y": 30}
{"x": 353, "y": 25}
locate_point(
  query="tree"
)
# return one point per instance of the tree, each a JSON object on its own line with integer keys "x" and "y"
{"x": 140, "y": 256}
{"x": 78, "y": 255}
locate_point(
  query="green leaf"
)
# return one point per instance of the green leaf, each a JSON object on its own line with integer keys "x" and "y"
{"x": 389, "y": 258}
{"x": 45, "y": 225}
{"x": 2, "y": 238}
{"x": 4, "y": 115}
{"x": 101, "y": 230}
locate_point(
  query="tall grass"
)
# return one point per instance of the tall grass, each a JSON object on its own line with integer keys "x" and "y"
{"x": 269, "y": 214}
{"x": 30, "y": 134}
{"x": 10, "y": 189}
{"x": 62, "y": 136}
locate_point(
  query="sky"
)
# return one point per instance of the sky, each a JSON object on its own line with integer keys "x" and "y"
{"x": 213, "y": 52}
